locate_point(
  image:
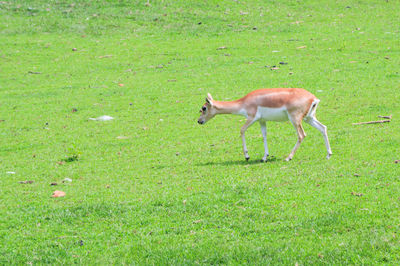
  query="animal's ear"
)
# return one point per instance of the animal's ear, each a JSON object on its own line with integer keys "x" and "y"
{"x": 209, "y": 99}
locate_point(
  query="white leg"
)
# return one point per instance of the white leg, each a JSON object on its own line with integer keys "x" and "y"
{"x": 248, "y": 123}
{"x": 245, "y": 152}
{"x": 264, "y": 134}
{"x": 322, "y": 128}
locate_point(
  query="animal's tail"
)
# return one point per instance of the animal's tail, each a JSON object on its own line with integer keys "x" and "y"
{"x": 313, "y": 108}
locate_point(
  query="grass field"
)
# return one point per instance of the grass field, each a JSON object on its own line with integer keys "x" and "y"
{"x": 154, "y": 187}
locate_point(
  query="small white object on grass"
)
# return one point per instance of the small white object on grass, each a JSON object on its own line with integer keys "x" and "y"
{"x": 67, "y": 180}
{"x": 102, "y": 118}
{"x": 11, "y": 173}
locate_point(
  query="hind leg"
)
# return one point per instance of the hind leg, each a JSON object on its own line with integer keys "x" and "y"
{"x": 312, "y": 121}
{"x": 300, "y": 134}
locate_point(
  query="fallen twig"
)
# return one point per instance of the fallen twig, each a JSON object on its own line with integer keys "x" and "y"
{"x": 26, "y": 182}
{"x": 372, "y": 122}
{"x": 385, "y": 116}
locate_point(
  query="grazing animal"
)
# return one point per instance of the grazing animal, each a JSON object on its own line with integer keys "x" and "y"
{"x": 270, "y": 105}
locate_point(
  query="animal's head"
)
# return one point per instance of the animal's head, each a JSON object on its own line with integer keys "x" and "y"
{"x": 207, "y": 110}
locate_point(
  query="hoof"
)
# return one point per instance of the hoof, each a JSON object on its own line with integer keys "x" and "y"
{"x": 247, "y": 159}
{"x": 329, "y": 156}
{"x": 263, "y": 160}
{"x": 288, "y": 159}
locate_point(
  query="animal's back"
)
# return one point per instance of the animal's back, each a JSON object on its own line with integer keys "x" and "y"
{"x": 274, "y": 104}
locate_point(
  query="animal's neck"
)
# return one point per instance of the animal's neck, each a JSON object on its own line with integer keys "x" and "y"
{"x": 232, "y": 107}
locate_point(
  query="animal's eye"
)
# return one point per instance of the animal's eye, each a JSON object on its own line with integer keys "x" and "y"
{"x": 203, "y": 108}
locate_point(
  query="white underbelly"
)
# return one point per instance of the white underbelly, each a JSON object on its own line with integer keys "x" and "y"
{"x": 272, "y": 114}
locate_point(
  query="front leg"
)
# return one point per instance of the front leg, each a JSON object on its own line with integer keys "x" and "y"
{"x": 246, "y": 153}
{"x": 264, "y": 134}
{"x": 249, "y": 122}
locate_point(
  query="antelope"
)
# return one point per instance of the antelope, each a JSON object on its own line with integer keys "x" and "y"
{"x": 270, "y": 105}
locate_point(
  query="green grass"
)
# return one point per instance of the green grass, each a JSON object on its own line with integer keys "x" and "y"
{"x": 174, "y": 192}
